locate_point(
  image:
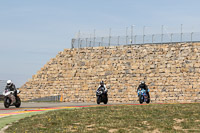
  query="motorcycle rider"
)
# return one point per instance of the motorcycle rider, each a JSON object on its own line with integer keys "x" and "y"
{"x": 104, "y": 86}
{"x": 143, "y": 86}
{"x": 11, "y": 87}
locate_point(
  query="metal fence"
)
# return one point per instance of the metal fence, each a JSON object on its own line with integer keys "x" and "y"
{"x": 135, "y": 39}
{"x": 2, "y": 86}
{"x": 56, "y": 98}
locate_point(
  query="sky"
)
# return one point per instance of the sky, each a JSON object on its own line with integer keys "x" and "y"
{"x": 34, "y": 31}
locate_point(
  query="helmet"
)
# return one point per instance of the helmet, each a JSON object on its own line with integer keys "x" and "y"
{"x": 142, "y": 82}
{"x": 9, "y": 82}
{"x": 102, "y": 83}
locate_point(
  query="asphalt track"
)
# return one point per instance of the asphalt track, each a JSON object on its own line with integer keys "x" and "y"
{"x": 28, "y": 107}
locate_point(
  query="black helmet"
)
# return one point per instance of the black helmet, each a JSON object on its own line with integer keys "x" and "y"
{"x": 102, "y": 83}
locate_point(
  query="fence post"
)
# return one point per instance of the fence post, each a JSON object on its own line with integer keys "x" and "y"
{"x": 191, "y": 36}
{"x": 109, "y": 36}
{"x": 118, "y": 40}
{"x": 126, "y": 35}
{"x": 131, "y": 34}
{"x": 90, "y": 43}
{"x": 181, "y": 31}
{"x": 162, "y": 34}
{"x": 152, "y": 38}
{"x": 81, "y": 43}
{"x": 143, "y": 34}
{"x": 86, "y": 41}
{"x": 94, "y": 39}
{"x": 72, "y": 43}
{"x": 102, "y": 41}
{"x": 171, "y": 37}
{"x": 135, "y": 39}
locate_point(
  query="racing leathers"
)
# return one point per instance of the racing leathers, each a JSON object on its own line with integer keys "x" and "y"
{"x": 105, "y": 89}
{"x": 145, "y": 87}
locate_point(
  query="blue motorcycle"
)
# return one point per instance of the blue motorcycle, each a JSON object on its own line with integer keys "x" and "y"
{"x": 143, "y": 97}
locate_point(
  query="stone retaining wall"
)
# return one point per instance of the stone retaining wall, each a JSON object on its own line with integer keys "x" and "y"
{"x": 171, "y": 71}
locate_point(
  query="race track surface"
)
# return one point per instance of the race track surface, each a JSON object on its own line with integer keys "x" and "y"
{"x": 27, "y": 107}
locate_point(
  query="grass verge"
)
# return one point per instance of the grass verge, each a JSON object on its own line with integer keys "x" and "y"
{"x": 124, "y": 118}
{"x": 10, "y": 119}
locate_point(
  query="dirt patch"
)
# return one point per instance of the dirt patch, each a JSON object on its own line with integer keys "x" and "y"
{"x": 155, "y": 131}
{"x": 178, "y": 120}
{"x": 90, "y": 127}
{"x": 3, "y": 129}
{"x": 40, "y": 126}
{"x": 145, "y": 123}
{"x": 178, "y": 128}
{"x": 113, "y": 130}
{"x": 77, "y": 123}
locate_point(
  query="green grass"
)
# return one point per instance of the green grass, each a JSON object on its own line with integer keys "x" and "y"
{"x": 124, "y": 118}
{"x": 9, "y": 119}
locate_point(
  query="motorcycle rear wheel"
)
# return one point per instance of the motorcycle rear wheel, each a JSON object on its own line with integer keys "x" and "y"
{"x": 18, "y": 102}
{"x": 141, "y": 99}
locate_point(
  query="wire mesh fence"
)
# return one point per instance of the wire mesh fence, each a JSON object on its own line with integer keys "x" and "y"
{"x": 2, "y": 88}
{"x": 47, "y": 99}
{"x": 135, "y": 39}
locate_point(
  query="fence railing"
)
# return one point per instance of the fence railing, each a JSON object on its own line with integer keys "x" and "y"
{"x": 135, "y": 39}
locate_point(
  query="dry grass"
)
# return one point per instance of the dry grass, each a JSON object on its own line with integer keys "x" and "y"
{"x": 111, "y": 119}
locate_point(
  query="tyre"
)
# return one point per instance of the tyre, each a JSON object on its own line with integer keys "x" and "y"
{"x": 106, "y": 100}
{"x": 148, "y": 101}
{"x": 141, "y": 99}
{"x": 18, "y": 102}
{"x": 98, "y": 100}
{"x": 6, "y": 102}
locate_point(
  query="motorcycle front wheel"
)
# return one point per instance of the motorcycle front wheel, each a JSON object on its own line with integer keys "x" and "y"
{"x": 106, "y": 100}
{"x": 6, "y": 102}
{"x": 141, "y": 99}
{"x": 98, "y": 99}
{"x": 148, "y": 100}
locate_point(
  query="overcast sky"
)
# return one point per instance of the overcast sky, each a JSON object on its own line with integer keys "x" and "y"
{"x": 33, "y": 31}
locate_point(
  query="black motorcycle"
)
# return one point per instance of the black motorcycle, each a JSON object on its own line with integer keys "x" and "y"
{"x": 10, "y": 99}
{"x": 101, "y": 96}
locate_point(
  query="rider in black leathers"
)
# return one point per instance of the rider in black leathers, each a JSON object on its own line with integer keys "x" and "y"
{"x": 11, "y": 87}
{"x": 143, "y": 86}
{"x": 104, "y": 86}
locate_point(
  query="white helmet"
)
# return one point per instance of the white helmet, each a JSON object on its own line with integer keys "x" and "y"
{"x": 142, "y": 82}
{"x": 9, "y": 82}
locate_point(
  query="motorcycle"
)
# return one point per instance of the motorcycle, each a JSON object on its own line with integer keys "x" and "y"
{"x": 101, "y": 96}
{"x": 143, "y": 97}
{"x": 10, "y": 99}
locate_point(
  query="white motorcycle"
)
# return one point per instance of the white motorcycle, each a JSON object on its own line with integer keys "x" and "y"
{"x": 10, "y": 99}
